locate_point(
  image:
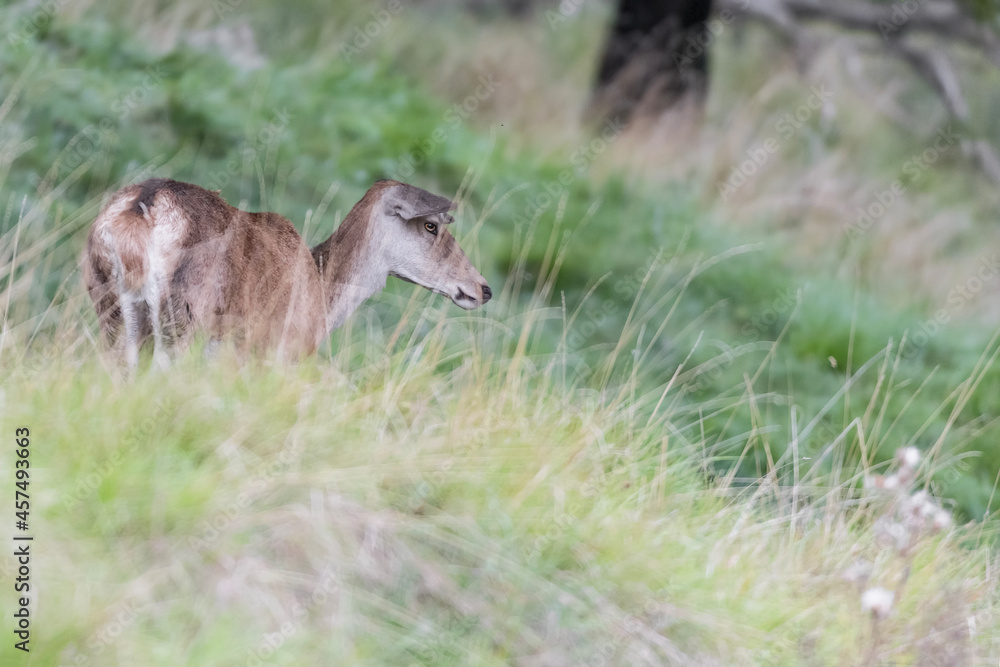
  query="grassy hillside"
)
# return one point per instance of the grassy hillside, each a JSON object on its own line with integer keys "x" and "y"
{"x": 445, "y": 503}
{"x": 650, "y": 446}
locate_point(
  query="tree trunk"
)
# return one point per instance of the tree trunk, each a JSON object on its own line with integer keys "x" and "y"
{"x": 655, "y": 57}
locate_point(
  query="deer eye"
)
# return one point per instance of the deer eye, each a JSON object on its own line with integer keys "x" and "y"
{"x": 431, "y": 227}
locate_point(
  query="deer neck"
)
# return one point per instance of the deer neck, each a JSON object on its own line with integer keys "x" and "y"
{"x": 351, "y": 266}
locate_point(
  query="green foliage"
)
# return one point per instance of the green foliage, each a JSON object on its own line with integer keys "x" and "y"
{"x": 984, "y": 10}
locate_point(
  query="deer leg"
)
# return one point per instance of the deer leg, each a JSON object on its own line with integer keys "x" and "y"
{"x": 130, "y": 316}
{"x": 160, "y": 357}
{"x": 106, "y": 301}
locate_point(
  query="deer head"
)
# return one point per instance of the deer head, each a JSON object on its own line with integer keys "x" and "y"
{"x": 419, "y": 248}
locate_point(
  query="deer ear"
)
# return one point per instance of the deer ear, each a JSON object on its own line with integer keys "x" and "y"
{"x": 409, "y": 202}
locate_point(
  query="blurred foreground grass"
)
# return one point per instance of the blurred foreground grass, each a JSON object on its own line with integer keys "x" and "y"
{"x": 445, "y": 502}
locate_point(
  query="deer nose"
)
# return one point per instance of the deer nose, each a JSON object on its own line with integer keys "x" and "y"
{"x": 487, "y": 293}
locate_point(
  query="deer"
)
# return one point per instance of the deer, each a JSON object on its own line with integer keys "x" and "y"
{"x": 169, "y": 259}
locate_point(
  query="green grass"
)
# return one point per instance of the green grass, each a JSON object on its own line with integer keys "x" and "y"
{"x": 652, "y": 441}
{"x": 440, "y": 502}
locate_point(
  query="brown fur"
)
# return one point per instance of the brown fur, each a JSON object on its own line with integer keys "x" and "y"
{"x": 256, "y": 283}
{"x": 352, "y": 233}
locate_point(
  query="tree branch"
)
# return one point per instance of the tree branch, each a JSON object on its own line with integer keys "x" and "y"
{"x": 942, "y": 18}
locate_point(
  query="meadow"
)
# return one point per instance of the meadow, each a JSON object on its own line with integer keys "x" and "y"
{"x": 664, "y": 441}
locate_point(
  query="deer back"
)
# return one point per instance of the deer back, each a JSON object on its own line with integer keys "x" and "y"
{"x": 257, "y": 283}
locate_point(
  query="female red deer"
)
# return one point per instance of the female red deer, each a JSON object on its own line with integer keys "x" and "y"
{"x": 169, "y": 259}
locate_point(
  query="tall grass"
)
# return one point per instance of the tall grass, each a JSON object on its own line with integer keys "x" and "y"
{"x": 437, "y": 489}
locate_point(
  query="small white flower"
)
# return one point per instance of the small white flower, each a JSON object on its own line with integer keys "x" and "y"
{"x": 928, "y": 508}
{"x": 892, "y": 533}
{"x": 942, "y": 520}
{"x": 919, "y": 505}
{"x": 878, "y": 601}
{"x": 908, "y": 457}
